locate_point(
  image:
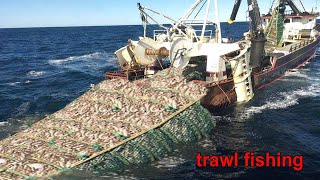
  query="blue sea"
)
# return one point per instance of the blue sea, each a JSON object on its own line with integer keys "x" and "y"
{"x": 44, "y": 69}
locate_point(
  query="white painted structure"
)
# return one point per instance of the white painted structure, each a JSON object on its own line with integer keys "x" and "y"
{"x": 189, "y": 38}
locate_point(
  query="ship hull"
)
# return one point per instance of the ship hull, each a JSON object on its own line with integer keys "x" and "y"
{"x": 285, "y": 63}
{"x": 223, "y": 93}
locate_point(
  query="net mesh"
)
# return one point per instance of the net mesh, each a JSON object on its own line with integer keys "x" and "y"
{"x": 189, "y": 126}
{"x": 115, "y": 124}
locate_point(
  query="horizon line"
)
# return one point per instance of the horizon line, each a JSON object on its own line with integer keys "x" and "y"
{"x": 69, "y": 26}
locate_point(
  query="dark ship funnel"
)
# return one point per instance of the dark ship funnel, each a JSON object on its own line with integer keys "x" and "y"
{"x": 257, "y": 51}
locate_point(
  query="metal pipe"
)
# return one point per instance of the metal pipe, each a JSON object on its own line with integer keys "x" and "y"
{"x": 163, "y": 16}
{"x": 218, "y": 30}
{"x": 235, "y": 10}
{"x": 205, "y": 20}
{"x": 293, "y": 6}
{"x": 190, "y": 11}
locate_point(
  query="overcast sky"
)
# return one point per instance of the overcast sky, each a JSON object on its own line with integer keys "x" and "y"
{"x": 56, "y": 13}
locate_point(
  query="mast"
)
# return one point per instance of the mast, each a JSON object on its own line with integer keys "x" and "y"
{"x": 190, "y": 11}
{"x": 218, "y": 30}
{"x": 258, "y": 39}
{"x": 206, "y": 19}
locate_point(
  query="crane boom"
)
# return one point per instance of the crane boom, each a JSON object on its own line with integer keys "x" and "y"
{"x": 235, "y": 10}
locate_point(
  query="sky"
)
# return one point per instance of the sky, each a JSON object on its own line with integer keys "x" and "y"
{"x": 57, "y": 13}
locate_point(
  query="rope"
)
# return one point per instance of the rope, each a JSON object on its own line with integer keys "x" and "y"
{"x": 160, "y": 63}
{"x": 223, "y": 92}
{"x": 153, "y": 20}
{"x": 200, "y": 9}
{"x": 136, "y": 136}
{"x": 302, "y": 5}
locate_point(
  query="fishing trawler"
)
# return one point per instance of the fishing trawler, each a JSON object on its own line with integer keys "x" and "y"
{"x": 118, "y": 123}
{"x": 277, "y": 42}
{"x": 194, "y": 45}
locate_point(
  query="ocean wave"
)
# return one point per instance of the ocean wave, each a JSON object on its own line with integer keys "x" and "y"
{"x": 207, "y": 144}
{"x": 96, "y": 55}
{"x": 286, "y": 99}
{"x": 18, "y": 82}
{"x": 35, "y": 73}
{"x": 23, "y": 108}
{"x": 169, "y": 162}
{"x": 282, "y": 101}
{"x": 297, "y": 74}
{"x": 14, "y": 83}
{"x": 4, "y": 123}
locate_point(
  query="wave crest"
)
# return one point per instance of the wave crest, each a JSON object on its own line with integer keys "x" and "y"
{"x": 96, "y": 55}
{"x": 36, "y": 73}
{"x": 284, "y": 100}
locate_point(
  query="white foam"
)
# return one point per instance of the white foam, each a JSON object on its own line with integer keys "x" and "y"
{"x": 35, "y": 73}
{"x": 207, "y": 144}
{"x": 169, "y": 162}
{"x": 18, "y": 82}
{"x": 96, "y": 55}
{"x": 14, "y": 83}
{"x": 23, "y": 108}
{"x": 4, "y": 123}
{"x": 283, "y": 100}
{"x": 297, "y": 74}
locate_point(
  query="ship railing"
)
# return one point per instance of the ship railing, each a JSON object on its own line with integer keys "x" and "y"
{"x": 300, "y": 45}
{"x": 292, "y": 13}
{"x": 208, "y": 34}
{"x": 197, "y": 22}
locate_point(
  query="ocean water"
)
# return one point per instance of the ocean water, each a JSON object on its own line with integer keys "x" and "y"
{"x": 43, "y": 69}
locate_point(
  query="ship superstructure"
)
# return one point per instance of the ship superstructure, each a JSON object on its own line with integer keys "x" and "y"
{"x": 277, "y": 42}
{"x": 194, "y": 44}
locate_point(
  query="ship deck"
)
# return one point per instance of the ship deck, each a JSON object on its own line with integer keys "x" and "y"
{"x": 296, "y": 44}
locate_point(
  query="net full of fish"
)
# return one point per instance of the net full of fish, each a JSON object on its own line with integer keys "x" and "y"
{"x": 115, "y": 124}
